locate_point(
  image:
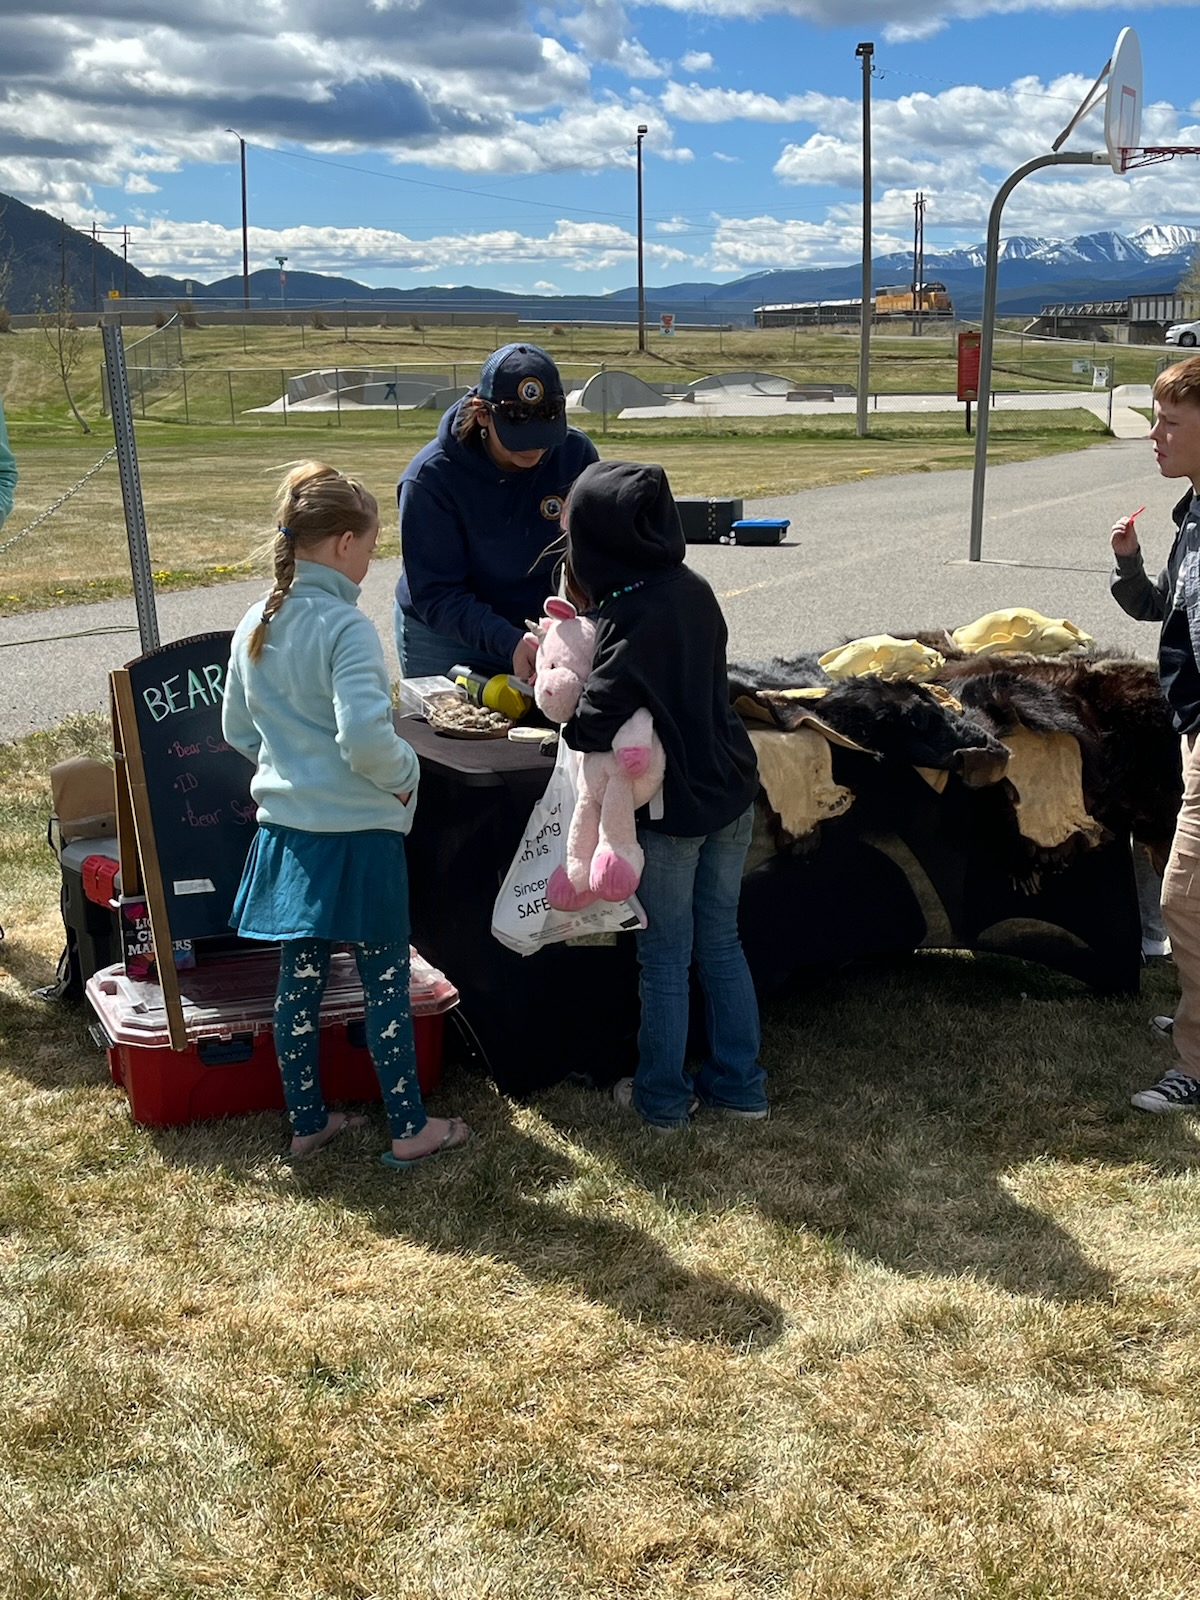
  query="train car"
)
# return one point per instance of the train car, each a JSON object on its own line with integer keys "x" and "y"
{"x": 808, "y": 314}
{"x": 902, "y": 300}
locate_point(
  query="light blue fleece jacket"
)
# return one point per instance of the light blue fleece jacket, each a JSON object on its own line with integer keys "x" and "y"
{"x": 8, "y": 471}
{"x": 314, "y": 713}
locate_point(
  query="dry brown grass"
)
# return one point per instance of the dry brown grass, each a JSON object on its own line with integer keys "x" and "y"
{"x": 930, "y": 1334}
{"x": 207, "y": 492}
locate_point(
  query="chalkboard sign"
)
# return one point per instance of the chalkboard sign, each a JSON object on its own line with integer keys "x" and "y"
{"x": 197, "y": 786}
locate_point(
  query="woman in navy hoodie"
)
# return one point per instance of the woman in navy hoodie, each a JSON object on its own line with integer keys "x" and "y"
{"x": 660, "y": 643}
{"x": 479, "y": 508}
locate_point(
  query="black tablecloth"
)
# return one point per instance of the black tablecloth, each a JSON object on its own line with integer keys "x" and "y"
{"x": 903, "y": 867}
{"x": 566, "y": 1008}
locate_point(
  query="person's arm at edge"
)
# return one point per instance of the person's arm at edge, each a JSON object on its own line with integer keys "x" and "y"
{"x": 362, "y": 708}
{"x": 237, "y": 726}
{"x": 1131, "y": 587}
{"x": 8, "y": 471}
{"x": 612, "y": 693}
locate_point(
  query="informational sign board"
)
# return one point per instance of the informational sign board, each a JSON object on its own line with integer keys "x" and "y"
{"x": 667, "y": 318}
{"x": 197, "y": 786}
{"x": 968, "y": 364}
{"x": 1100, "y": 377}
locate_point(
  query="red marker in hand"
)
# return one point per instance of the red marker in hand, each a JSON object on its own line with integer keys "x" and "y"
{"x": 1134, "y": 514}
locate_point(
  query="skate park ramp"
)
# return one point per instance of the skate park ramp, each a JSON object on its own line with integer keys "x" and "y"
{"x": 331, "y": 388}
{"x": 613, "y": 391}
{"x": 734, "y": 385}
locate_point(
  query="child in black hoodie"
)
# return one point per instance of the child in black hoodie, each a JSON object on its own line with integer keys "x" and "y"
{"x": 660, "y": 642}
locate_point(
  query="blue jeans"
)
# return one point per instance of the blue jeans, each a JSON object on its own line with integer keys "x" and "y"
{"x": 422, "y": 653}
{"x": 690, "y": 890}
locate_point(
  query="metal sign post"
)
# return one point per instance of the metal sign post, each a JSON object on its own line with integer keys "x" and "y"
{"x": 121, "y": 410}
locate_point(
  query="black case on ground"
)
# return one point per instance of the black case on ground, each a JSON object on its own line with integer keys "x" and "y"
{"x": 707, "y": 521}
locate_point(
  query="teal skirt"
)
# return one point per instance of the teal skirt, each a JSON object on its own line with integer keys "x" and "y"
{"x": 351, "y": 888}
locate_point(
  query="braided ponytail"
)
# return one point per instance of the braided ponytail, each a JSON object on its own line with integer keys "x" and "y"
{"x": 314, "y": 502}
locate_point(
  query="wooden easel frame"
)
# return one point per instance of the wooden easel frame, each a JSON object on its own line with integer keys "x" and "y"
{"x": 140, "y": 871}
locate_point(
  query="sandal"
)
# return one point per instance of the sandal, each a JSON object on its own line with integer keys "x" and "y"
{"x": 326, "y": 1135}
{"x": 457, "y": 1135}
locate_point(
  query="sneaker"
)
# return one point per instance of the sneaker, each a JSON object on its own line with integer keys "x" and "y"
{"x": 622, "y": 1093}
{"x": 1174, "y": 1091}
{"x": 1156, "y": 949}
{"x": 1162, "y": 1027}
{"x": 740, "y": 1115}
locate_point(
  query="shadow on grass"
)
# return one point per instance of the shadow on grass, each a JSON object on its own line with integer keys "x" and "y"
{"x": 499, "y": 1199}
{"x": 911, "y": 1100}
{"x": 908, "y": 1098}
{"x": 496, "y": 1199}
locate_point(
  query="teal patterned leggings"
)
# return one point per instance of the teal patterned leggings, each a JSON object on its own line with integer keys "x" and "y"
{"x": 383, "y": 968}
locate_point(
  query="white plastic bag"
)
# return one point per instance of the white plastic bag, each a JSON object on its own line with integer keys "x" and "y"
{"x": 522, "y": 919}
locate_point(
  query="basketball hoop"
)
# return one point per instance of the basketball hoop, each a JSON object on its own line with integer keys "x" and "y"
{"x": 1151, "y": 155}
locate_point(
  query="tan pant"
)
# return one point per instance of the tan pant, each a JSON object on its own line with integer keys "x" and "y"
{"x": 1181, "y": 910}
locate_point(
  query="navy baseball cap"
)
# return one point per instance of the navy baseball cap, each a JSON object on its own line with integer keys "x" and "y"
{"x": 522, "y": 386}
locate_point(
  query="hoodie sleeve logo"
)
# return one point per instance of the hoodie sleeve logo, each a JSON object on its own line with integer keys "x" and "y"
{"x": 551, "y": 507}
{"x": 530, "y": 390}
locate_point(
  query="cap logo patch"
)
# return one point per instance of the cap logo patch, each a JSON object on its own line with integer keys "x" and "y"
{"x": 551, "y": 507}
{"x": 530, "y": 390}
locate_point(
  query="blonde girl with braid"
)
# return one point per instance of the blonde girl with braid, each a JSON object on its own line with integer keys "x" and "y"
{"x": 308, "y": 702}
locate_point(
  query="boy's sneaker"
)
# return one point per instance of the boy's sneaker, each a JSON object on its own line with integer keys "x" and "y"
{"x": 622, "y": 1093}
{"x": 1174, "y": 1091}
{"x": 740, "y": 1115}
{"x": 1162, "y": 1027}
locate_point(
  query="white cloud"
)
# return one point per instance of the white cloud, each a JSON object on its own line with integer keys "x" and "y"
{"x": 696, "y": 61}
{"x": 208, "y": 249}
{"x": 747, "y": 244}
{"x": 899, "y": 19}
{"x": 693, "y": 103}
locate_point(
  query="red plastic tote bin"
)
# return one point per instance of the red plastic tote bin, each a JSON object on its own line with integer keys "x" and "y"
{"x": 229, "y": 1067}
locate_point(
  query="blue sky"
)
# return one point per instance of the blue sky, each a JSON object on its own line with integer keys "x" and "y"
{"x": 491, "y": 142}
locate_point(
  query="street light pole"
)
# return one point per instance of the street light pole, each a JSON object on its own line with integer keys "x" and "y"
{"x": 643, "y": 130}
{"x": 865, "y": 52}
{"x": 282, "y": 282}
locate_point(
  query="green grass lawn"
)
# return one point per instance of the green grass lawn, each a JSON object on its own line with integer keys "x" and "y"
{"x": 931, "y": 1333}
{"x": 207, "y": 481}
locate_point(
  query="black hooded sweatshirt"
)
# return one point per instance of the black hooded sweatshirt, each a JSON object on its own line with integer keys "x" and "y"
{"x": 660, "y": 643}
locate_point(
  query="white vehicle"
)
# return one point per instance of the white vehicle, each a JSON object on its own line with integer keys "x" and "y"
{"x": 1184, "y": 333}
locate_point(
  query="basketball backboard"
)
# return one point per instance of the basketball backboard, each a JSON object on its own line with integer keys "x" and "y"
{"x": 1123, "y": 102}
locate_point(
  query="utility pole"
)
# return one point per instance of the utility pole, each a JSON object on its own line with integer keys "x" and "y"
{"x": 918, "y": 261}
{"x": 245, "y": 230}
{"x": 865, "y": 52}
{"x": 643, "y": 130}
{"x": 282, "y": 260}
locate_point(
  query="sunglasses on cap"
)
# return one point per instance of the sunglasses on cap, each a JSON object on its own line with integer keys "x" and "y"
{"x": 518, "y": 412}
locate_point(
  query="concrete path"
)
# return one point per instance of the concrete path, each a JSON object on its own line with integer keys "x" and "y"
{"x": 883, "y": 555}
{"x": 735, "y": 401}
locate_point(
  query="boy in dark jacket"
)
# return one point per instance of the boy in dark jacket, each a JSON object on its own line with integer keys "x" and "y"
{"x": 660, "y": 643}
{"x": 1174, "y": 600}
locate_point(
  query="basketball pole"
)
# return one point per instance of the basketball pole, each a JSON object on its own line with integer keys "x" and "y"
{"x": 987, "y": 326}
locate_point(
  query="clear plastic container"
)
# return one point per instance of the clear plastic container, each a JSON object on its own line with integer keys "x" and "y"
{"x": 416, "y": 694}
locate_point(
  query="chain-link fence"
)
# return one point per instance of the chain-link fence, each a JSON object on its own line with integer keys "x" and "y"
{"x": 157, "y": 357}
{"x": 1039, "y": 384}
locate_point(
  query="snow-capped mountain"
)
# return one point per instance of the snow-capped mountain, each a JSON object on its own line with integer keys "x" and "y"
{"x": 1146, "y": 245}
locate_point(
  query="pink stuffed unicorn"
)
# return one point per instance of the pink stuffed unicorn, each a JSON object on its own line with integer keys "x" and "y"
{"x": 604, "y": 860}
